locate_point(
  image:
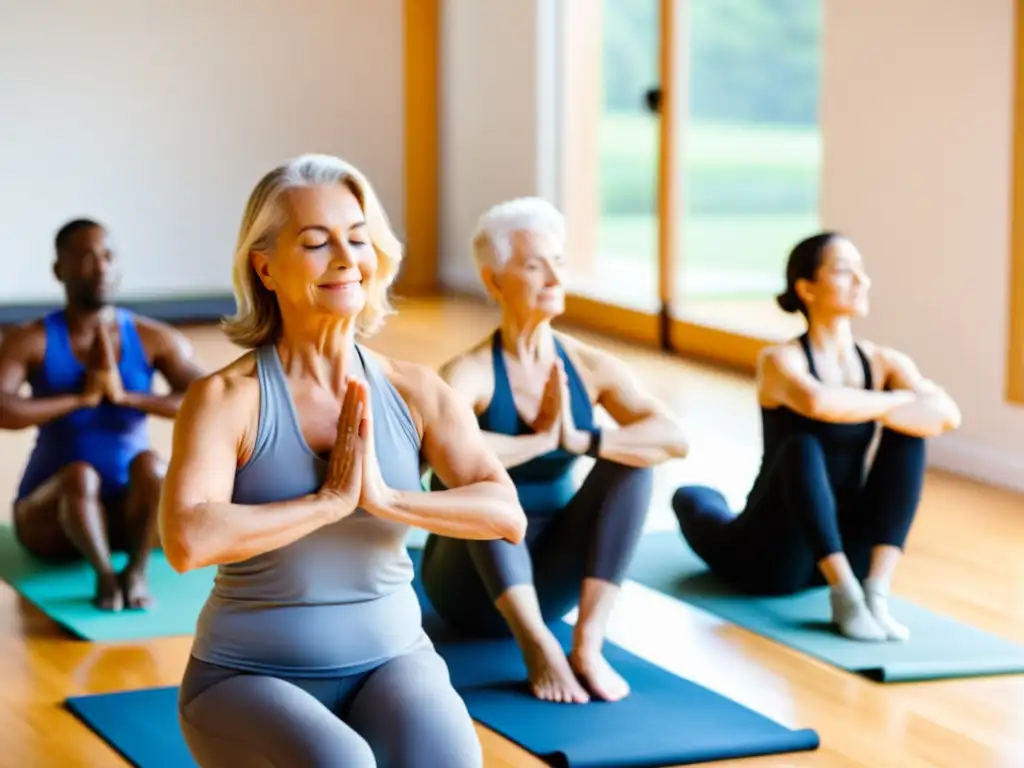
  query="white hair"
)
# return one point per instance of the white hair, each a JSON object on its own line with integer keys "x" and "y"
{"x": 492, "y": 240}
{"x": 257, "y": 319}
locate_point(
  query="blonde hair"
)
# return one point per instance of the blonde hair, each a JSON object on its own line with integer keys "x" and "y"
{"x": 492, "y": 240}
{"x": 257, "y": 318}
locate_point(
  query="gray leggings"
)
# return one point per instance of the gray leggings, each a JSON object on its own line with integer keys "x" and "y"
{"x": 403, "y": 714}
{"x": 594, "y": 536}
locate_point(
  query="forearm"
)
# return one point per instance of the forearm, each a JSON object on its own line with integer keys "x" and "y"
{"x": 927, "y": 416}
{"x": 846, "y": 405}
{"x": 479, "y": 511}
{"x": 17, "y": 412}
{"x": 165, "y": 406}
{"x": 515, "y": 450}
{"x": 212, "y": 534}
{"x": 645, "y": 443}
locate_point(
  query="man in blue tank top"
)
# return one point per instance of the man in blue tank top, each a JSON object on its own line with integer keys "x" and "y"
{"x": 92, "y": 484}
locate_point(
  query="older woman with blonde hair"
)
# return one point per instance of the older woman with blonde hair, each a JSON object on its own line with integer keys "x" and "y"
{"x": 536, "y": 392}
{"x": 295, "y": 471}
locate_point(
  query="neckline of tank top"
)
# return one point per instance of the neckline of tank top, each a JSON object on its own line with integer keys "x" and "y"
{"x": 293, "y": 412}
{"x": 805, "y": 344}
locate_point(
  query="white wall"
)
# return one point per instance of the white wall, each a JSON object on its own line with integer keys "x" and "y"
{"x": 158, "y": 117}
{"x": 917, "y": 118}
{"x": 497, "y": 117}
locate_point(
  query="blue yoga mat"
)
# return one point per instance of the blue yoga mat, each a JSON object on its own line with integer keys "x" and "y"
{"x": 64, "y": 593}
{"x": 939, "y": 647}
{"x": 141, "y": 726}
{"x": 665, "y": 721}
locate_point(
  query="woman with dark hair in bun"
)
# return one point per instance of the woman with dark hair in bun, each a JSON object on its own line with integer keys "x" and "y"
{"x": 819, "y": 511}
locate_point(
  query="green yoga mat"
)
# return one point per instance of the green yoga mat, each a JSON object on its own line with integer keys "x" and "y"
{"x": 939, "y": 647}
{"x": 64, "y": 593}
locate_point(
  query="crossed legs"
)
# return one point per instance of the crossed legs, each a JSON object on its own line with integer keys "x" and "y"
{"x": 575, "y": 558}
{"x": 799, "y": 533}
{"x": 68, "y": 517}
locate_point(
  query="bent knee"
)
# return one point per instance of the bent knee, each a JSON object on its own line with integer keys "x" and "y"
{"x": 688, "y": 497}
{"x": 146, "y": 467}
{"x": 802, "y": 449}
{"x": 615, "y": 474}
{"x": 80, "y": 480}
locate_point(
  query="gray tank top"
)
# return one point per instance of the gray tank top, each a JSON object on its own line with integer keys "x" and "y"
{"x": 340, "y": 600}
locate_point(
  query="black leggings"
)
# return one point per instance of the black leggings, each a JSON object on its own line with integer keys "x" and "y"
{"x": 774, "y": 546}
{"x": 594, "y": 536}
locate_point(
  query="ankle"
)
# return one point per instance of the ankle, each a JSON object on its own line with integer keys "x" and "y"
{"x": 135, "y": 565}
{"x": 876, "y": 587}
{"x": 587, "y": 641}
{"x": 533, "y": 636}
{"x": 849, "y": 590}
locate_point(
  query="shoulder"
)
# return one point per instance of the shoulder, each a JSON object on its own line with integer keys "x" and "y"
{"x": 596, "y": 366}
{"x": 784, "y": 356}
{"x": 474, "y": 360}
{"x": 781, "y": 361}
{"x": 233, "y": 390}
{"x": 413, "y": 381}
{"x": 471, "y": 373}
{"x": 157, "y": 335}
{"x": 24, "y": 341}
{"x": 424, "y": 391}
{"x": 878, "y": 353}
{"x": 220, "y": 407}
{"x": 888, "y": 364}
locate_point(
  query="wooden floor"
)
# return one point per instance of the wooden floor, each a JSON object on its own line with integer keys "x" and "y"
{"x": 965, "y": 560}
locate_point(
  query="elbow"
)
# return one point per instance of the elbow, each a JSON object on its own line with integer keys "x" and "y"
{"x": 8, "y": 420}
{"x": 813, "y": 406}
{"x": 180, "y": 557}
{"x": 953, "y": 416}
{"x": 514, "y": 528}
{"x": 179, "y": 549}
{"x": 678, "y": 445}
{"x": 512, "y": 521}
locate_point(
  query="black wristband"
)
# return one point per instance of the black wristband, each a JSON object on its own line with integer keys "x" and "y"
{"x": 594, "y": 449}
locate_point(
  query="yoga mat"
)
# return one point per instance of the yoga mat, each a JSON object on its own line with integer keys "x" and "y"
{"x": 666, "y": 720}
{"x": 141, "y": 726}
{"x": 939, "y": 647}
{"x": 64, "y": 593}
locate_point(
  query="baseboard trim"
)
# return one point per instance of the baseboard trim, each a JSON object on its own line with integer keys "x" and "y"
{"x": 956, "y": 455}
{"x": 195, "y": 310}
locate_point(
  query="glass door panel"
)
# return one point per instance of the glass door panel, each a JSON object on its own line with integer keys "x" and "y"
{"x": 749, "y": 150}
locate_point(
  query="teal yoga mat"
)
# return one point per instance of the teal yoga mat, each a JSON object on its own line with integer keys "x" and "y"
{"x": 939, "y": 647}
{"x": 64, "y": 593}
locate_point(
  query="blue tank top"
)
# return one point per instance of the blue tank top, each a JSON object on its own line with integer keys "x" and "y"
{"x": 108, "y": 436}
{"x": 845, "y": 445}
{"x": 545, "y": 483}
{"x": 340, "y": 600}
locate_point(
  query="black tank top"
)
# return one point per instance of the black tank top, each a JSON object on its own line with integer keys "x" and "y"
{"x": 845, "y": 445}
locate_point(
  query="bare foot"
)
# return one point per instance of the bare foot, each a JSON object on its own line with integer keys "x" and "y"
{"x": 551, "y": 676}
{"x": 108, "y": 593}
{"x": 599, "y": 677}
{"x": 135, "y": 588}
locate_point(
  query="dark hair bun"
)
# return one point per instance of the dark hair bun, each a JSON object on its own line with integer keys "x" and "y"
{"x": 789, "y": 301}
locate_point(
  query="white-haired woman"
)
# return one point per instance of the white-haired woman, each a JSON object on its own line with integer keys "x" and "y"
{"x": 534, "y": 392}
{"x": 295, "y": 470}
